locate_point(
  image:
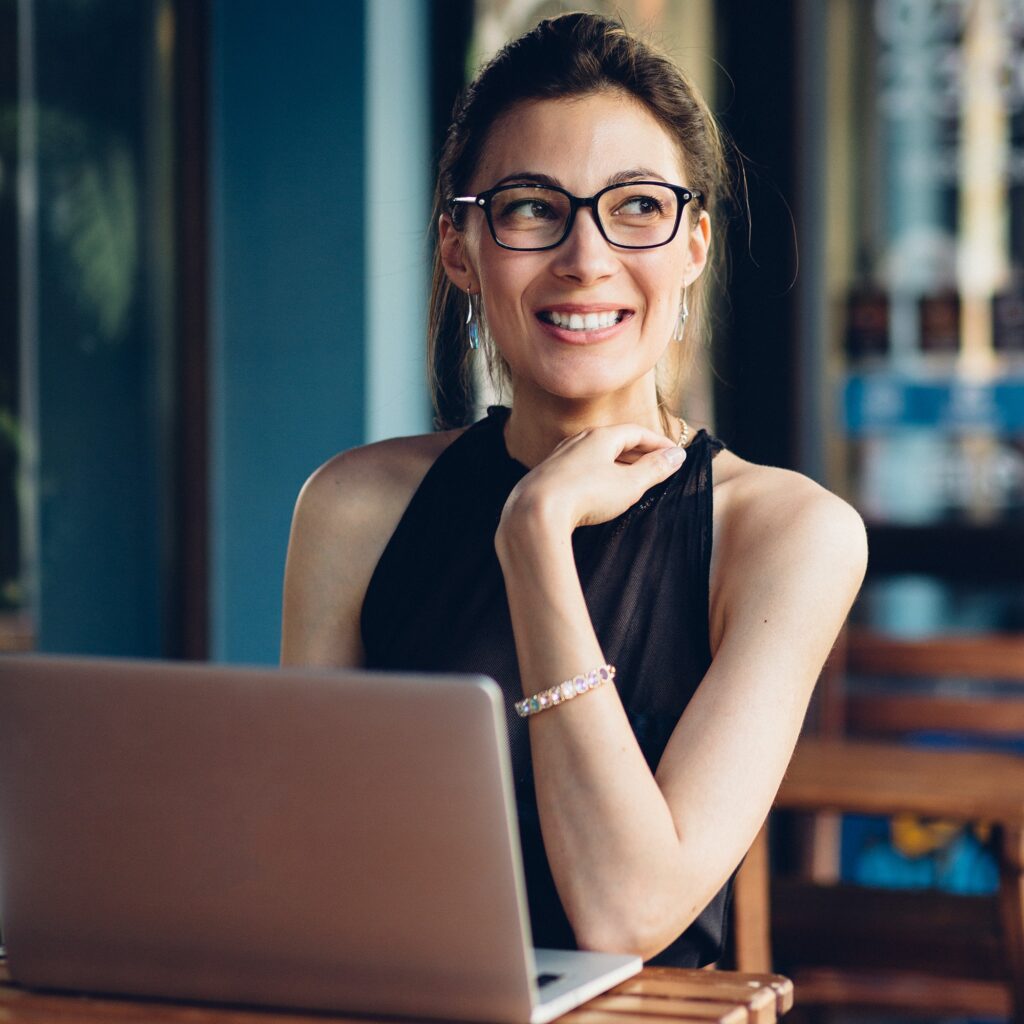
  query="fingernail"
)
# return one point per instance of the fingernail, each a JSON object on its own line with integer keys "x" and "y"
{"x": 675, "y": 456}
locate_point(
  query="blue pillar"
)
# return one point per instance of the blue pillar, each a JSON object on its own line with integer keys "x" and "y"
{"x": 398, "y": 210}
{"x": 287, "y": 288}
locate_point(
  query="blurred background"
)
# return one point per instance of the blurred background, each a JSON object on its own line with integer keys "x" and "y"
{"x": 214, "y": 242}
{"x": 214, "y": 251}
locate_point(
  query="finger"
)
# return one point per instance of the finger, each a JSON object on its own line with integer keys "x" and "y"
{"x": 658, "y": 465}
{"x": 628, "y": 458}
{"x": 568, "y": 442}
{"x": 635, "y": 454}
{"x": 630, "y": 437}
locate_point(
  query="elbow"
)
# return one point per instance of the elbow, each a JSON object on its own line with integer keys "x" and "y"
{"x": 640, "y": 917}
{"x": 626, "y": 943}
{"x": 644, "y": 936}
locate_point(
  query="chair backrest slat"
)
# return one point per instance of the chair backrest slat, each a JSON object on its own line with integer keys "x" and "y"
{"x": 985, "y": 656}
{"x": 890, "y": 714}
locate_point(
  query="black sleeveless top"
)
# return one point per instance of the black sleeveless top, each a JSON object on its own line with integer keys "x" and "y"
{"x": 436, "y": 602}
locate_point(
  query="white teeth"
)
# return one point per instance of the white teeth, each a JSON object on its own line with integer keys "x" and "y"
{"x": 583, "y": 321}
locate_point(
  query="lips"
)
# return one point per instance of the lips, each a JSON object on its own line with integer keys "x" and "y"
{"x": 583, "y": 319}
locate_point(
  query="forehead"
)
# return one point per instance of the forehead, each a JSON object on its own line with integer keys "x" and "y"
{"x": 581, "y": 141}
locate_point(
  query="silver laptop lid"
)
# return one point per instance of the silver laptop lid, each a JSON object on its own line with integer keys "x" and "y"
{"x": 320, "y": 839}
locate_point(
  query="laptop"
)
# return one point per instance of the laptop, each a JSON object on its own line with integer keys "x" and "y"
{"x": 323, "y": 840}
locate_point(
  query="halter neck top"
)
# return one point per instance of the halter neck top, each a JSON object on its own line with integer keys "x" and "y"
{"x": 436, "y": 603}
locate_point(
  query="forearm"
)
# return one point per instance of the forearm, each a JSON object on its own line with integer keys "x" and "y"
{"x": 610, "y": 839}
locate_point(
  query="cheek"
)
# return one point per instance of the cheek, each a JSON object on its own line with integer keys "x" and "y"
{"x": 505, "y": 278}
{"x": 664, "y": 287}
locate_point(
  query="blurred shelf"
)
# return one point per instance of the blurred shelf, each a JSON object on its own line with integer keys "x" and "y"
{"x": 957, "y": 552}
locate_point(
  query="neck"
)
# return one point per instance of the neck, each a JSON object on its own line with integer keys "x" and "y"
{"x": 538, "y": 423}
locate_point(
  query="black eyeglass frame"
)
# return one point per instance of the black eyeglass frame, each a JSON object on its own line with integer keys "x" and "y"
{"x": 483, "y": 201}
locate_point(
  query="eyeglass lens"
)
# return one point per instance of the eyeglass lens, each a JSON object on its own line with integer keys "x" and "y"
{"x": 533, "y": 216}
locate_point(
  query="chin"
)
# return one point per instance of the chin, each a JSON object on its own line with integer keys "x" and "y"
{"x": 580, "y": 380}
{"x": 577, "y": 390}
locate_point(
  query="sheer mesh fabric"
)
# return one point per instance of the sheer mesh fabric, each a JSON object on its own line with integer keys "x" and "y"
{"x": 436, "y": 602}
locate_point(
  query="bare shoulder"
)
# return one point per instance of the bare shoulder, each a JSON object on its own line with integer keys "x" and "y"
{"x": 753, "y": 499}
{"x": 774, "y": 525}
{"x": 344, "y": 516}
{"x": 371, "y": 483}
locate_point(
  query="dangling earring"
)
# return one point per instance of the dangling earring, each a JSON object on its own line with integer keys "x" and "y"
{"x": 684, "y": 312}
{"x": 472, "y": 318}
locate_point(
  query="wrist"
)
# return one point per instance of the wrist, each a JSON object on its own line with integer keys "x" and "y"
{"x": 532, "y": 522}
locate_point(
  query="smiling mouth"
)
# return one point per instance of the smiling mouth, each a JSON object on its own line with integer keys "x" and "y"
{"x": 582, "y": 321}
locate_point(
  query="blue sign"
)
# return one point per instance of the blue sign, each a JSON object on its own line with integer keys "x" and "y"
{"x": 886, "y": 402}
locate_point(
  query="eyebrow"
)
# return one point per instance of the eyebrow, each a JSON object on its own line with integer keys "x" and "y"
{"x": 537, "y": 178}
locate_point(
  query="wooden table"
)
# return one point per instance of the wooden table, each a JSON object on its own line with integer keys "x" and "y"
{"x": 655, "y": 996}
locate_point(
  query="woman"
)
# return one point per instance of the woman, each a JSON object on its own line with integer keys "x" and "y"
{"x": 587, "y": 525}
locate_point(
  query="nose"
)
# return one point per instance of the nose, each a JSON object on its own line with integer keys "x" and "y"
{"x": 585, "y": 256}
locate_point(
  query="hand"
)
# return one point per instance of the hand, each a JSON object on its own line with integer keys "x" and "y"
{"x": 593, "y": 476}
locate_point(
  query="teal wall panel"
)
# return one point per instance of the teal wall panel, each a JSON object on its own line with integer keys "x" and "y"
{"x": 288, "y": 286}
{"x": 93, "y": 357}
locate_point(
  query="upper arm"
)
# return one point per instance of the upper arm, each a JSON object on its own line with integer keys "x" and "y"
{"x": 790, "y": 562}
{"x": 344, "y": 516}
{"x": 325, "y": 576}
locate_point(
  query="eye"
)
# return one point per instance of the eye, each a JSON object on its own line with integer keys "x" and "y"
{"x": 528, "y": 209}
{"x": 642, "y": 206}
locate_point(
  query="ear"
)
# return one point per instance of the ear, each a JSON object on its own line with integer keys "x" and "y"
{"x": 698, "y": 247}
{"x": 453, "y": 255}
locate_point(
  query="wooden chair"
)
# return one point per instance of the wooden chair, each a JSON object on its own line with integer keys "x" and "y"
{"x": 926, "y": 951}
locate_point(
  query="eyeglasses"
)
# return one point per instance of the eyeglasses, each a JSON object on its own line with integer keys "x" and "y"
{"x": 532, "y": 218}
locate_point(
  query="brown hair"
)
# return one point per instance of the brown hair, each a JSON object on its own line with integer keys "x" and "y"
{"x": 571, "y": 55}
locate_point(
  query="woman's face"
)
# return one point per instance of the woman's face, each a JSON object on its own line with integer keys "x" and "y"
{"x": 581, "y": 144}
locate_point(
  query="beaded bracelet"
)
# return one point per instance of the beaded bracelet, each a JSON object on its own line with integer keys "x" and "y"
{"x": 565, "y": 691}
